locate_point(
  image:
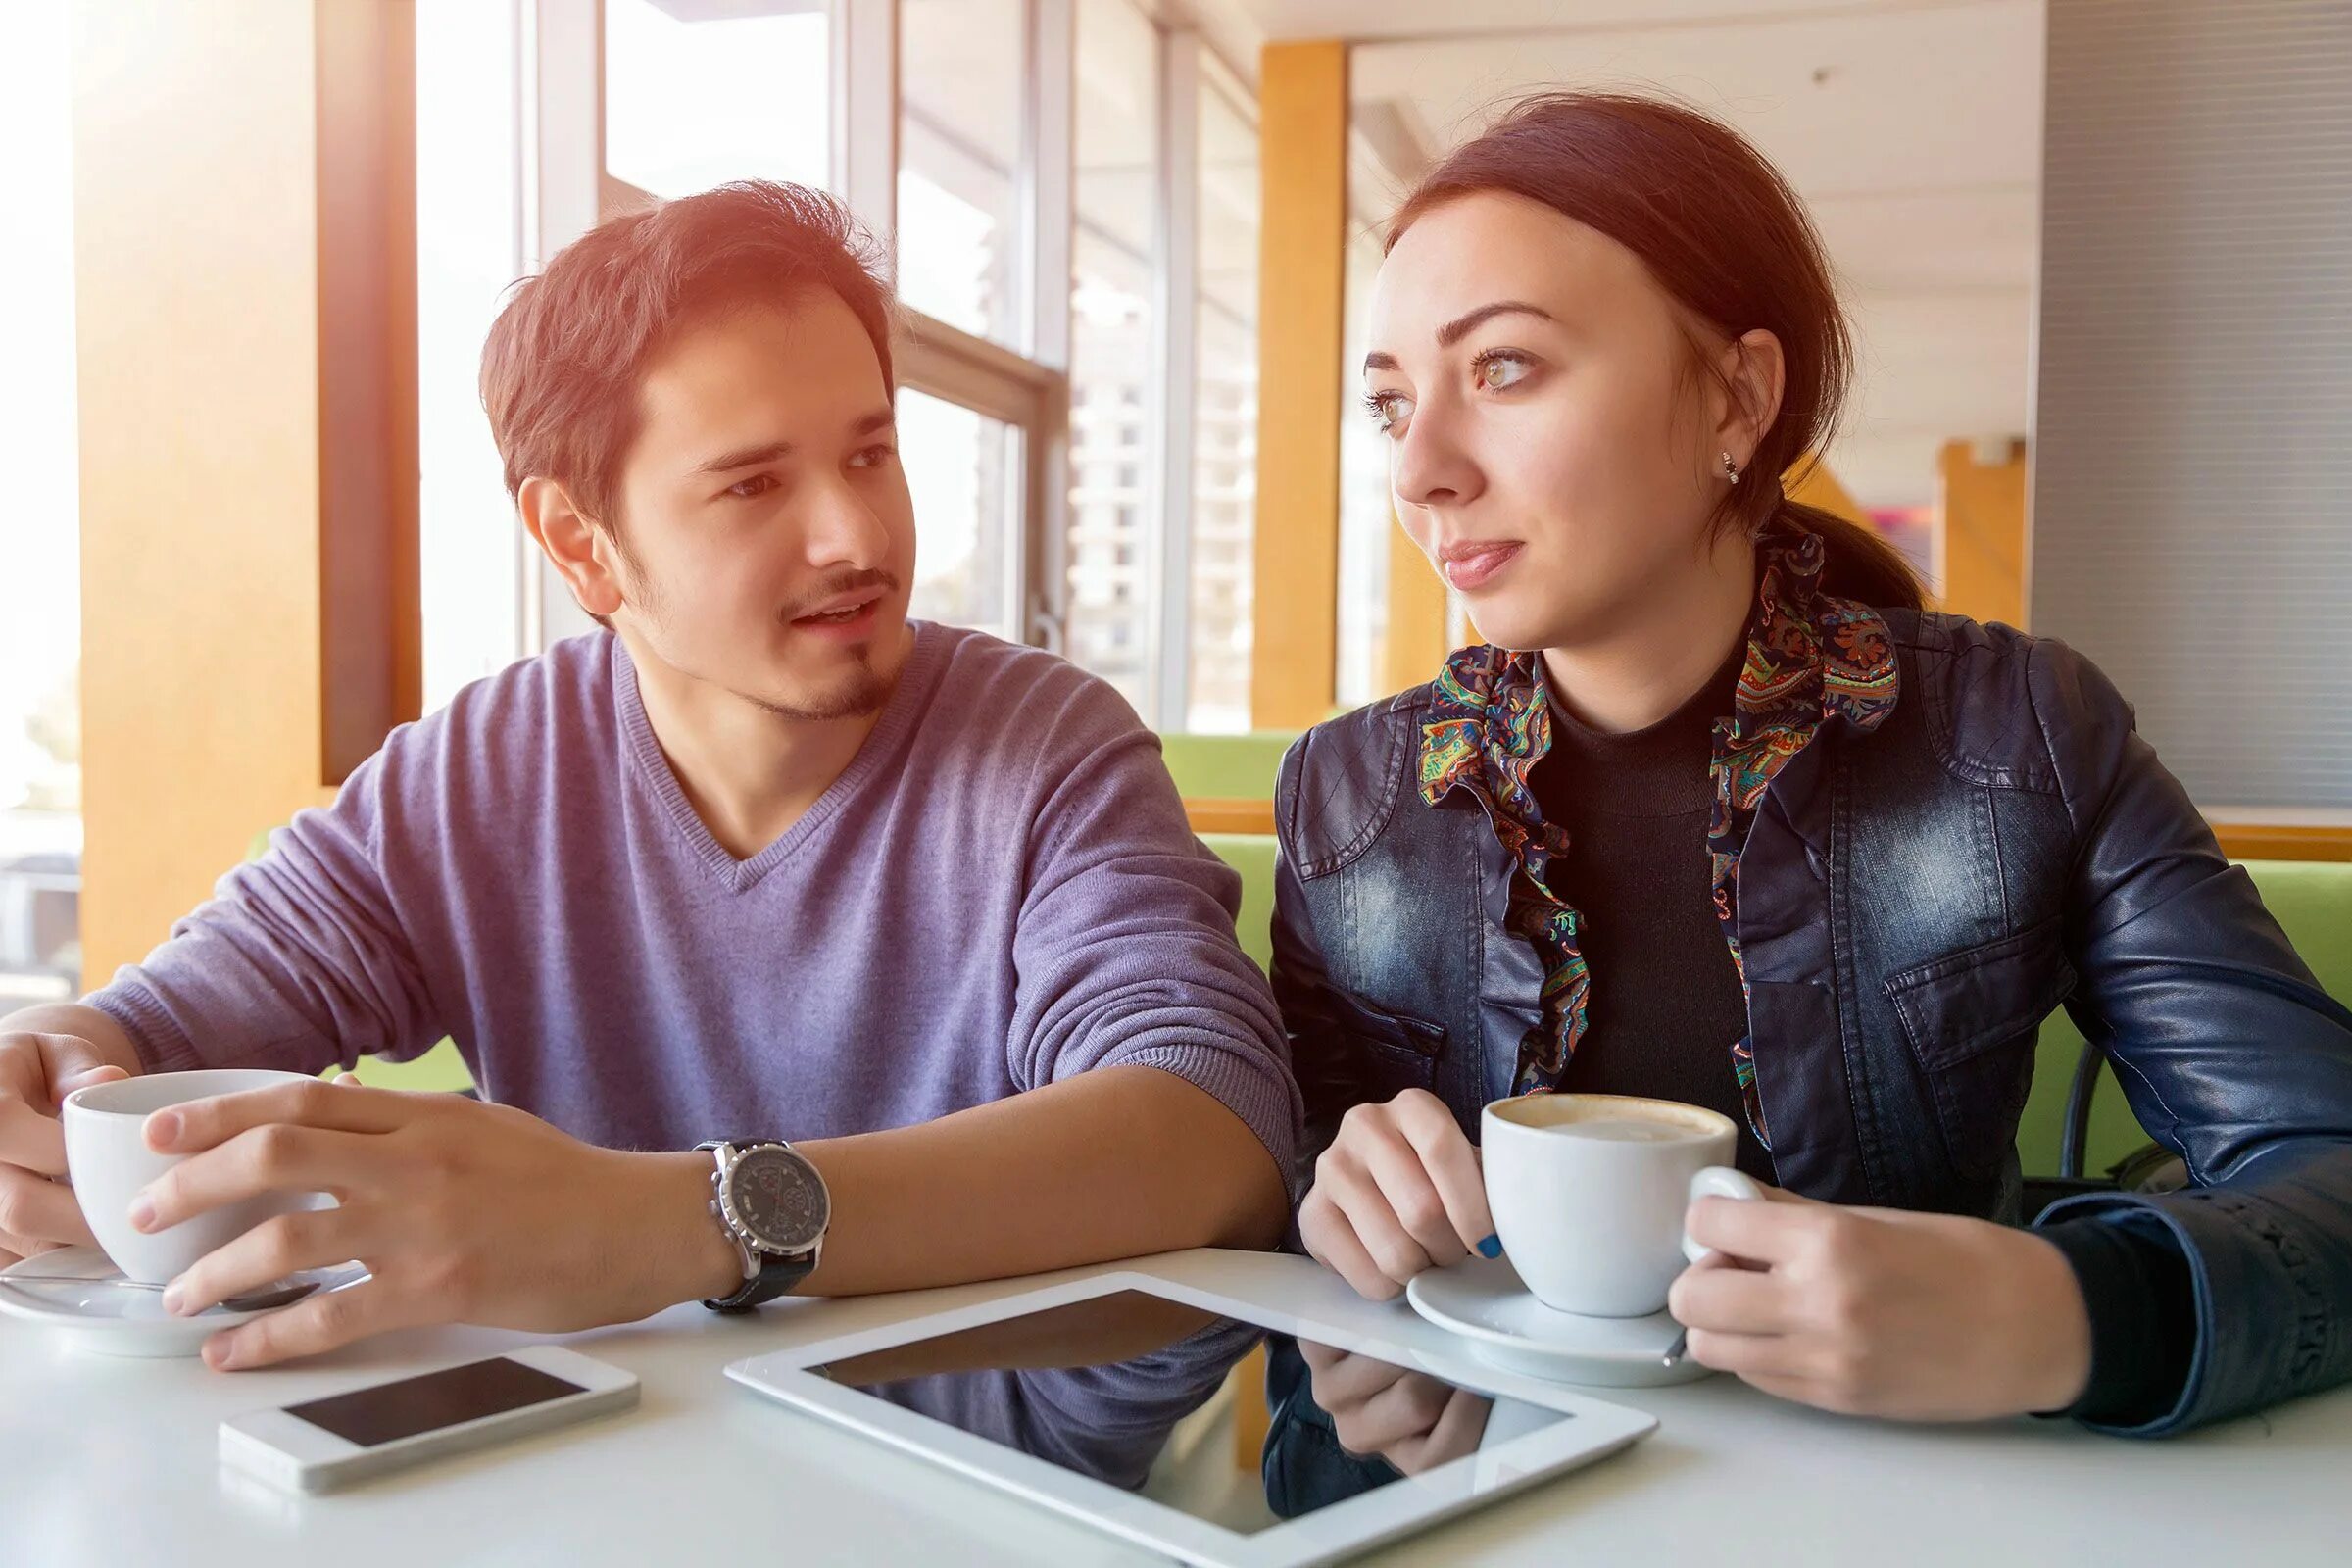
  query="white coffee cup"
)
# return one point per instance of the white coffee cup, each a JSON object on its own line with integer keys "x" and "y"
{"x": 1588, "y": 1194}
{"x": 109, "y": 1162}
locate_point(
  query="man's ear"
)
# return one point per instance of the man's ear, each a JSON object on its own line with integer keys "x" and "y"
{"x": 572, "y": 543}
{"x": 1757, "y": 374}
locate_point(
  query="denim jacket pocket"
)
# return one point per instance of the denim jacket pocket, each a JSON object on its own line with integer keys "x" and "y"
{"x": 1971, "y": 1018}
{"x": 1399, "y": 1052}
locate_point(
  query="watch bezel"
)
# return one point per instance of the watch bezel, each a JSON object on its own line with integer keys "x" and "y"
{"x": 741, "y": 1224}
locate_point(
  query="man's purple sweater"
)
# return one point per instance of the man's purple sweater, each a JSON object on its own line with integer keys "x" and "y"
{"x": 999, "y": 892}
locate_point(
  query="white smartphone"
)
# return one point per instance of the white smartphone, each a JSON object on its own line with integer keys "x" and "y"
{"x": 323, "y": 1443}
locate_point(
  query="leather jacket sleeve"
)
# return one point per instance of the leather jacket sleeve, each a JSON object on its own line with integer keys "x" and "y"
{"x": 2226, "y": 1049}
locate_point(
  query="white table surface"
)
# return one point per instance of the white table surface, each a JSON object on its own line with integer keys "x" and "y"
{"x": 113, "y": 1462}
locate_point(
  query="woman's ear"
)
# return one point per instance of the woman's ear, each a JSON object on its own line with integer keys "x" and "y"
{"x": 570, "y": 539}
{"x": 1754, "y": 373}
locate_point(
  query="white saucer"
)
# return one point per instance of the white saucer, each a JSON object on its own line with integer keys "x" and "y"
{"x": 1482, "y": 1300}
{"x": 113, "y": 1320}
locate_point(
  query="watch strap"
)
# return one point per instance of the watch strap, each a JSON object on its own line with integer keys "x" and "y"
{"x": 777, "y": 1275}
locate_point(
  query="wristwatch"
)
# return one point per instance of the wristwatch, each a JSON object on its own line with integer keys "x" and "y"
{"x": 773, "y": 1206}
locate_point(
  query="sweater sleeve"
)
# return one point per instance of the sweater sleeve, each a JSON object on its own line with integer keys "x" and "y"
{"x": 1124, "y": 948}
{"x": 298, "y": 961}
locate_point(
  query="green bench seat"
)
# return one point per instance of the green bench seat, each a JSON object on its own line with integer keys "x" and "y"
{"x": 1226, "y": 767}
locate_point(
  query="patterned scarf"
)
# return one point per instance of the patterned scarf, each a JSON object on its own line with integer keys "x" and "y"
{"x": 1810, "y": 657}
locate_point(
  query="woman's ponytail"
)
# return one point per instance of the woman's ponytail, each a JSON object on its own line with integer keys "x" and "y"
{"x": 1858, "y": 563}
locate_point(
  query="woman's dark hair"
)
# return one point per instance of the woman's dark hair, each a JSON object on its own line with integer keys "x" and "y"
{"x": 1726, "y": 238}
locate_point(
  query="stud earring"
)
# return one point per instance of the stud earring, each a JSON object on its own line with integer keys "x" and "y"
{"x": 1730, "y": 469}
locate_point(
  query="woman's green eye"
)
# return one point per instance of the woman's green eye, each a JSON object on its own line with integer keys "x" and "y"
{"x": 1387, "y": 410}
{"x": 1499, "y": 369}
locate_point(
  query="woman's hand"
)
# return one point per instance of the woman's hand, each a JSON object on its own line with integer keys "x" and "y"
{"x": 1399, "y": 1189}
{"x": 1870, "y": 1311}
{"x": 1410, "y": 1419}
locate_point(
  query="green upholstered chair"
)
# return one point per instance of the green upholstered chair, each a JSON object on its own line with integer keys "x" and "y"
{"x": 1253, "y": 855}
{"x": 1226, "y": 767}
{"x": 2312, "y": 902}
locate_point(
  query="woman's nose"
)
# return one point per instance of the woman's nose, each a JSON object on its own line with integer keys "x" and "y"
{"x": 1432, "y": 467}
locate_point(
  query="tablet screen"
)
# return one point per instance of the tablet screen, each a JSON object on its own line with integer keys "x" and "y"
{"x": 1153, "y": 1396}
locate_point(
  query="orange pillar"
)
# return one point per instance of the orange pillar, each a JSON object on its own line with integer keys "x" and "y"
{"x": 1302, "y": 131}
{"x": 1416, "y": 644}
{"x": 244, "y": 269}
{"x": 1980, "y": 532}
{"x": 1812, "y": 484}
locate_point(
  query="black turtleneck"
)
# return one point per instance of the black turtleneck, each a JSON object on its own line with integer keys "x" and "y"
{"x": 1665, "y": 1005}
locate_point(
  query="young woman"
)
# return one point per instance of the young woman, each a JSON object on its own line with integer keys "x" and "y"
{"x": 1720, "y": 814}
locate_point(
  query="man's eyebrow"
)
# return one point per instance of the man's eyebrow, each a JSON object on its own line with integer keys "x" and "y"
{"x": 774, "y": 451}
{"x": 1461, "y": 326}
{"x": 746, "y": 457}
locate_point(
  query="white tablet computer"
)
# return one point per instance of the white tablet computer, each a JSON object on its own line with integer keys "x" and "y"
{"x": 1106, "y": 1399}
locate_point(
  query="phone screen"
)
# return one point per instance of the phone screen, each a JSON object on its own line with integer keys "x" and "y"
{"x": 391, "y": 1411}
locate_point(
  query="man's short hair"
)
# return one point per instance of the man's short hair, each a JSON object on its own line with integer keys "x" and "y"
{"x": 561, "y": 369}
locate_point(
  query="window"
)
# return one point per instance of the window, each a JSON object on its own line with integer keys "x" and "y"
{"x": 1224, "y": 453}
{"x": 1114, "y": 349}
{"x": 1366, "y": 510}
{"x": 41, "y": 632}
{"x": 962, "y": 101}
{"x": 470, "y": 547}
{"x": 964, "y": 470}
{"x": 697, "y": 95}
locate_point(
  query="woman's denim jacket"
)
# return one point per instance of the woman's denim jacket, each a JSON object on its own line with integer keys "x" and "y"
{"x": 1912, "y": 903}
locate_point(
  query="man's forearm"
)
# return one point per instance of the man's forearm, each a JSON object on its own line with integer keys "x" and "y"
{"x": 1113, "y": 1164}
{"x": 72, "y": 1018}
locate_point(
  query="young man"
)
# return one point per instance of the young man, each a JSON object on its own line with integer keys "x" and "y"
{"x": 765, "y": 864}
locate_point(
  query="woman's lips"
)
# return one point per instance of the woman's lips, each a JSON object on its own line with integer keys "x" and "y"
{"x": 1472, "y": 566}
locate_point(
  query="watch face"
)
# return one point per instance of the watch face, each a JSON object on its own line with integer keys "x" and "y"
{"x": 775, "y": 1195}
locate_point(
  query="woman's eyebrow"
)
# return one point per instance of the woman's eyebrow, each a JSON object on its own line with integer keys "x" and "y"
{"x": 1461, "y": 326}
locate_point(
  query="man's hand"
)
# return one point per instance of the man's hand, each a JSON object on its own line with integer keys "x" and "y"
{"x": 37, "y": 1071}
{"x": 1410, "y": 1419}
{"x": 461, "y": 1211}
{"x": 1867, "y": 1311}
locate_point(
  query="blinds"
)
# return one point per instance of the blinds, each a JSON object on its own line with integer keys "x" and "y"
{"x": 2192, "y": 484}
